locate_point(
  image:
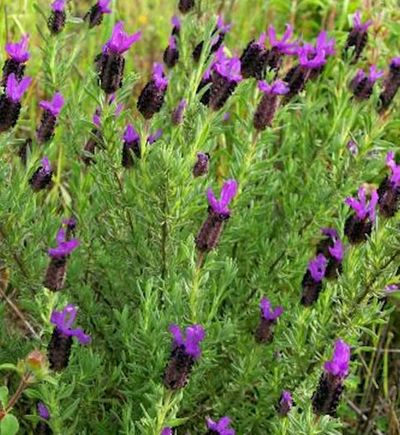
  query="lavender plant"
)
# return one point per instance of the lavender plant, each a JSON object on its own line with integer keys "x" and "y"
{"x": 285, "y": 286}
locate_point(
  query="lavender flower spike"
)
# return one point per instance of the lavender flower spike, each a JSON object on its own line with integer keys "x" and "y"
{"x": 131, "y": 147}
{"x": 177, "y": 114}
{"x": 43, "y": 411}
{"x": 389, "y": 189}
{"x": 269, "y": 316}
{"x": 152, "y": 96}
{"x": 326, "y": 398}
{"x": 52, "y": 109}
{"x": 285, "y": 403}
{"x": 218, "y": 213}
{"x": 391, "y": 84}
{"x": 220, "y": 427}
{"x": 111, "y": 63}
{"x": 268, "y": 105}
{"x": 43, "y": 427}
{"x": 201, "y": 166}
{"x": 18, "y": 56}
{"x": 185, "y": 352}
{"x": 171, "y": 53}
{"x": 10, "y": 105}
{"x": 42, "y": 177}
{"x": 359, "y": 225}
{"x": 283, "y": 45}
{"x": 59, "y": 348}
{"x": 312, "y": 280}
{"x": 96, "y": 12}
{"x": 358, "y": 36}
{"x": 56, "y": 21}
{"x": 176, "y": 25}
{"x": 253, "y": 58}
{"x": 332, "y": 248}
{"x": 64, "y": 247}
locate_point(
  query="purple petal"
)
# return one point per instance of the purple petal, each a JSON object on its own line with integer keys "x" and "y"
{"x": 61, "y": 236}
{"x": 228, "y": 192}
{"x": 212, "y": 200}
{"x": 176, "y": 332}
{"x": 155, "y": 136}
{"x": 43, "y": 411}
{"x": 375, "y": 74}
{"x": 317, "y": 267}
{"x": 58, "y": 5}
{"x": 55, "y": 105}
{"x": 330, "y": 232}
{"x": 120, "y": 42}
{"x": 46, "y": 166}
{"x": 395, "y": 62}
{"x": 392, "y": 288}
{"x": 339, "y": 364}
{"x": 176, "y": 22}
{"x": 159, "y": 76}
{"x": 104, "y": 6}
{"x": 337, "y": 251}
{"x": 79, "y": 334}
{"x": 166, "y": 431}
{"x": 194, "y": 335}
{"x": 64, "y": 248}
{"x": 19, "y": 50}
{"x": 130, "y": 135}
{"x": 15, "y": 89}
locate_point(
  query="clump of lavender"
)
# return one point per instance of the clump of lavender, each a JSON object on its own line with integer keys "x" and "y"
{"x": 43, "y": 427}
{"x": 362, "y": 84}
{"x": 253, "y": 58}
{"x": 95, "y": 15}
{"x": 131, "y": 147}
{"x": 285, "y": 403}
{"x": 42, "y": 177}
{"x": 18, "y": 56}
{"x": 177, "y": 114}
{"x": 10, "y": 101}
{"x": 359, "y": 225}
{"x": 218, "y": 37}
{"x": 185, "y": 6}
{"x": 202, "y": 164}
{"x": 96, "y": 139}
{"x": 279, "y": 47}
{"x": 51, "y": 110}
{"x": 391, "y": 84}
{"x": 333, "y": 250}
{"x": 220, "y": 427}
{"x": 185, "y": 352}
{"x": 358, "y": 36}
{"x": 111, "y": 63}
{"x": 59, "y": 348}
{"x": 326, "y": 398}
{"x": 152, "y": 96}
{"x": 56, "y": 271}
{"x": 225, "y": 77}
{"x": 171, "y": 53}
{"x": 389, "y": 189}
{"x": 265, "y": 330}
{"x": 56, "y": 21}
{"x": 218, "y": 213}
{"x": 312, "y": 280}
{"x": 268, "y": 105}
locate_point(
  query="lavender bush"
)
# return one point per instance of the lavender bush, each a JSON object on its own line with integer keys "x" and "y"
{"x": 199, "y": 222}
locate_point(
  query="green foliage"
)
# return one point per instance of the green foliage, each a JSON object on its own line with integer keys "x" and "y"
{"x": 136, "y": 270}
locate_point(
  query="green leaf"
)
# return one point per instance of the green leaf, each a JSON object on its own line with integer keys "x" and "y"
{"x": 3, "y": 396}
{"x": 9, "y": 425}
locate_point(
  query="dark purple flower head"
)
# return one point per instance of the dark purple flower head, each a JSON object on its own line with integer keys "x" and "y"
{"x": 221, "y": 26}
{"x": 315, "y": 61}
{"x": 155, "y": 136}
{"x": 97, "y": 117}
{"x": 283, "y": 45}
{"x": 395, "y": 169}
{"x": 361, "y": 208}
{"x": 15, "y": 89}
{"x": 19, "y": 50}
{"x": 221, "y": 427}
{"x": 323, "y": 43}
{"x": 358, "y": 25}
{"x": 395, "y": 62}
{"x": 339, "y": 364}
{"x": 317, "y": 267}
{"x": 286, "y": 399}
{"x": 166, "y": 431}
{"x": 228, "y": 192}
{"x": 392, "y": 288}
{"x": 58, "y": 5}
{"x": 120, "y": 42}
{"x": 267, "y": 312}
{"x": 130, "y": 134}
{"x": 104, "y": 6}
{"x": 63, "y": 321}
{"x": 352, "y": 147}
{"x": 159, "y": 77}
{"x": 43, "y": 411}
{"x": 177, "y": 114}
{"x": 194, "y": 336}
{"x": 277, "y": 88}
{"x": 176, "y": 22}
{"x": 64, "y": 246}
{"x": 227, "y": 67}
{"x": 55, "y": 105}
